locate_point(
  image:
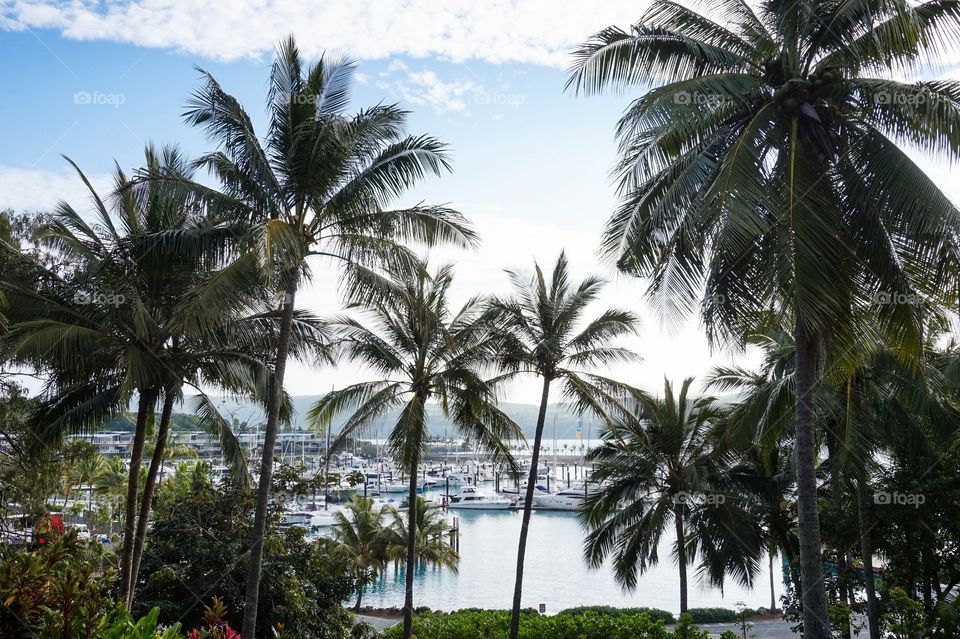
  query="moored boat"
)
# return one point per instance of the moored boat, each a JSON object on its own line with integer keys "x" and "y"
{"x": 472, "y": 499}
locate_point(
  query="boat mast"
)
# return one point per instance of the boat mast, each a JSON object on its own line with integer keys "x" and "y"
{"x": 326, "y": 472}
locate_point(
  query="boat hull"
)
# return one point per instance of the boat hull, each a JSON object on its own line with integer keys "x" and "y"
{"x": 552, "y": 502}
{"x": 488, "y": 505}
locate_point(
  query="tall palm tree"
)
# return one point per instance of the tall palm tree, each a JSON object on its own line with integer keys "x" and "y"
{"x": 651, "y": 471}
{"x": 422, "y": 353}
{"x": 120, "y": 307}
{"x": 430, "y": 546}
{"x": 763, "y": 171}
{"x": 363, "y": 536}
{"x": 869, "y": 400}
{"x": 318, "y": 186}
{"x": 543, "y": 332}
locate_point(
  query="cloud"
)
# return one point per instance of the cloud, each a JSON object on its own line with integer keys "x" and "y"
{"x": 426, "y": 88}
{"x": 529, "y": 31}
{"x": 37, "y": 190}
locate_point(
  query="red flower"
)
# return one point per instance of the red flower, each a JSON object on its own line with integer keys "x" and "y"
{"x": 230, "y": 633}
{"x": 194, "y": 634}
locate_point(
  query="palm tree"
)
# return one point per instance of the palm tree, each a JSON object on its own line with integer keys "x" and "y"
{"x": 87, "y": 469}
{"x": 430, "y": 546}
{"x": 766, "y": 478}
{"x": 422, "y": 353}
{"x": 869, "y": 400}
{"x": 363, "y": 536}
{"x": 317, "y": 186}
{"x": 651, "y": 471}
{"x": 762, "y": 171}
{"x": 112, "y": 483}
{"x": 542, "y": 331}
{"x": 121, "y": 308}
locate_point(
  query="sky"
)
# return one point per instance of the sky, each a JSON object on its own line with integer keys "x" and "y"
{"x": 97, "y": 80}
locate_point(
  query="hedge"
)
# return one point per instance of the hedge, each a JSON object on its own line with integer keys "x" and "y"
{"x": 495, "y": 624}
{"x": 654, "y": 613}
{"x": 715, "y": 615}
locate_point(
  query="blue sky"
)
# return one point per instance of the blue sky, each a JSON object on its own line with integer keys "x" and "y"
{"x": 97, "y": 80}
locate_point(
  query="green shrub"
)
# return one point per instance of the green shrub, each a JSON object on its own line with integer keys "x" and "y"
{"x": 654, "y": 613}
{"x": 495, "y": 624}
{"x": 199, "y": 529}
{"x": 902, "y": 616}
{"x": 686, "y": 629}
{"x": 728, "y": 634}
{"x": 715, "y": 615}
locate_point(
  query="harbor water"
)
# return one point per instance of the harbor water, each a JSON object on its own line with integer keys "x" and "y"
{"x": 555, "y": 572}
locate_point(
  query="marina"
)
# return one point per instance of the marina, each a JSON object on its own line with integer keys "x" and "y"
{"x": 485, "y": 524}
{"x": 556, "y": 573}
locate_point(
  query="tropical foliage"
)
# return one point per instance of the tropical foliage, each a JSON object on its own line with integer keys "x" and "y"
{"x": 663, "y": 467}
{"x": 317, "y": 185}
{"x": 495, "y": 624}
{"x": 764, "y": 186}
{"x": 542, "y": 331}
{"x": 199, "y": 547}
{"x": 763, "y": 170}
{"x": 424, "y": 352}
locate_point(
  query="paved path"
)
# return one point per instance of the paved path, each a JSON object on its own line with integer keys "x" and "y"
{"x": 767, "y": 629}
{"x": 380, "y": 623}
{"x": 762, "y": 629}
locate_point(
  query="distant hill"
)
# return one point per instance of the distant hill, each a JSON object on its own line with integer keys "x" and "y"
{"x": 240, "y": 412}
{"x": 245, "y": 415}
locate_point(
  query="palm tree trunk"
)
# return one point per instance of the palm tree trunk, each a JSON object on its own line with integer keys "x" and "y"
{"x": 681, "y": 556}
{"x": 156, "y": 461}
{"x": 144, "y": 412}
{"x": 359, "y": 597}
{"x": 816, "y": 624}
{"x": 785, "y": 543}
{"x": 835, "y": 494}
{"x": 866, "y": 550}
{"x": 773, "y": 592}
{"x": 411, "y": 554}
{"x": 255, "y": 566}
{"x": 527, "y": 508}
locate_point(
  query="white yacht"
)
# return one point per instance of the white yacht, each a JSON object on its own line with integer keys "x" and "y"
{"x": 519, "y": 495}
{"x": 296, "y": 519}
{"x": 472, "y": 499}
{"x": 566, "y": 499}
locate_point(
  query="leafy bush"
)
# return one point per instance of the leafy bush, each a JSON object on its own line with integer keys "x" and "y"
{"x": 199, "y": 531}
{"x": 715, "y": 615}
{"x": 728, "y": 634}
{"x": 495, "y": 624}
{"x": 654, "y": 613}
{"x": 902, "y": 616}
{"x": 52, "y": 591}
{"x": 687, "y": 629}
{"x": 363, "y": 630}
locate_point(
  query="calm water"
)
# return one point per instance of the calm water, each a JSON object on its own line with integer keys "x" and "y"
{"x": 555, "y": 573}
